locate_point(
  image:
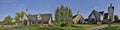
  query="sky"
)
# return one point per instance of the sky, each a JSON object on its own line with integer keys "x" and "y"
{"x": 10, "y": 7}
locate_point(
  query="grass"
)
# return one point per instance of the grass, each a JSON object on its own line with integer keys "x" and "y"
{"x": 87, "y": 26}
{"x": 37, "y": 28}
{"x": 112, "y": 28}
{"x": 115, "y": 26}
{"x": 1, "y": 28}
{"x": 82, "y": 27}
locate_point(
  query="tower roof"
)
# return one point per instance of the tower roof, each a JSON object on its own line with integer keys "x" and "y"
{"x": 110, "y": 4}
{"x": 78, "y": 12}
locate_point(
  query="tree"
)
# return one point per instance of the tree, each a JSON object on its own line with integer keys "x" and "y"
{"x": 86, "y": 19}
{"x": 18, "y": 15}
{"x": 116, "y": 18}
{"x": 7, "y": 20}
{"x": 63, "y": 15}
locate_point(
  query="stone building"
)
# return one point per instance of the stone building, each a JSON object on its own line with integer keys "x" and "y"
{"x": 38, "y": 19}
{"x": 78, "y": 18}
{"x": 95, "y": 16}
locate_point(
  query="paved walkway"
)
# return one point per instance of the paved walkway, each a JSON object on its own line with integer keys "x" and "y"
{"x": 97, "y": 28}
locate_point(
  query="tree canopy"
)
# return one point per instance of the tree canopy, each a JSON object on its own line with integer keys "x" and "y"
{"x": 19, "y": 15}
{"x": 116, "y": 18}
{"x": 63, "y": 15}
{"x": 7, "y": 20}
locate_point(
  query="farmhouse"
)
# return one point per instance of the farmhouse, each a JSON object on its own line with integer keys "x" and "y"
{"x": 38, "y": 19}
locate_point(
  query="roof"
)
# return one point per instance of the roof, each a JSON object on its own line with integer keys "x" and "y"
{"x": 79, "y": 18}
{"x": 74, "y": 16}
{"x": 101, "y": 12}
{"x": 32, "y": 18}
{"x": 44, "y": 18}
{"x": 93, "y": 12}
{"x": 111, "y": 6}
{"x": 96, "y": 15}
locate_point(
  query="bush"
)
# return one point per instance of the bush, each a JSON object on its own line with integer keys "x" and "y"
{"x": 117, "y": 21}
{"x": 64, "y": 24}
{"x": 99, "y": 23}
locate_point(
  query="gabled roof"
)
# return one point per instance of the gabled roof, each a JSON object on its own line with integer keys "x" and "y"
{"x": 44, "y": 18}
{"x": 94, "y": 12}
{"x": 96, "y": 15}
{"x": 74, "y": 16}
{"x": 32, "y": 18}
{"x": 101, "y": 12}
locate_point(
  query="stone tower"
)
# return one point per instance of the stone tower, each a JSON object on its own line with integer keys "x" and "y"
{"x": 111, "y": 12}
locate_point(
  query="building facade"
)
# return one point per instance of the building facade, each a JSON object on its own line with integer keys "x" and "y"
{"x": 95, "y": 16}
{"x": 38, "y": 19}
{"x": 78, "y": 18}
{"x": 111, "y": 12}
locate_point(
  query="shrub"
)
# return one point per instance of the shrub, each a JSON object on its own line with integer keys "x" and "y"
{"x": 64, "y": 24}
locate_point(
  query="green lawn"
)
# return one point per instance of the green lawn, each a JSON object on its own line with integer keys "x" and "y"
{"x": 1, "y": 28}
{"x": 87, "y": 26}
{"x": 115, "y": 26}
{"x": 81, "y": 27}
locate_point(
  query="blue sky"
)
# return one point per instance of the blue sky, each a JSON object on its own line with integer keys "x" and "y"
{"x": 10, "y": 7}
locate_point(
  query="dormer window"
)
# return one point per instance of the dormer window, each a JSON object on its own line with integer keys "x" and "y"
{"x": 39, "y": 17}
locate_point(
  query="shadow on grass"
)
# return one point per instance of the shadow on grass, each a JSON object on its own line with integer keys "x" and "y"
{"x": 112, "y": 28}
